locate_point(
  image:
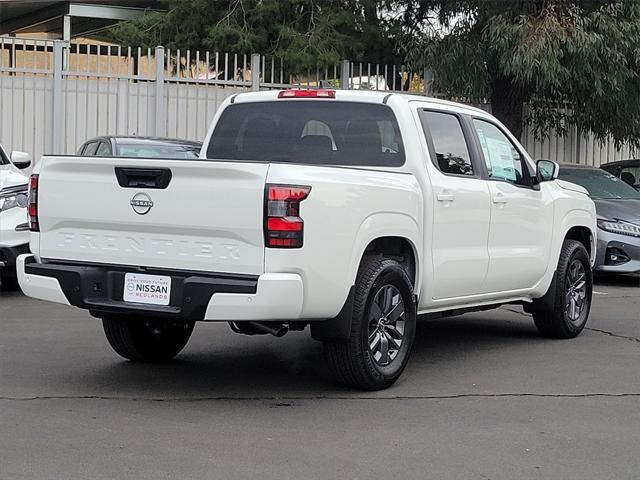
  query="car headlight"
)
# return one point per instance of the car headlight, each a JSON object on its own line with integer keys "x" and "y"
{"x": 14, "y": 198}
{"x": 620, "y": 227}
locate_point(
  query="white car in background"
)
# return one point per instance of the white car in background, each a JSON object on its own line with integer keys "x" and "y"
{"x": 14, "y": 227}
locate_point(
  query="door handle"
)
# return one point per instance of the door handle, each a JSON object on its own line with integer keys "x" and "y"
{"x": 500, "y": 198}
{"x": 445, "y": 197}
{"x": 143, "y": 177}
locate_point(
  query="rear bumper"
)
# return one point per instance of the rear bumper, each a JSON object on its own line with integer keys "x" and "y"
{"x": 194, "y": 295}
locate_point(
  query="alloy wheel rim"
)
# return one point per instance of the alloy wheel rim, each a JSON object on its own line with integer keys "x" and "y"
{"x": 575, "y": 291}
{"x": 386, "y": 325}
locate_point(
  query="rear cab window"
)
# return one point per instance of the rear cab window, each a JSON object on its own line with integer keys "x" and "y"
{"x": 314, "y": 132}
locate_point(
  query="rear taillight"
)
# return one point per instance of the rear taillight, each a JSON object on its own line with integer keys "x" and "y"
{"x": 283, "y": 227}
{"x": 34, "y": 225}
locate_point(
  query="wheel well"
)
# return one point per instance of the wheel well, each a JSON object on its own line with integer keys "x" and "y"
{"x": 397, "y": 248}
{"x": 582, "y": 235}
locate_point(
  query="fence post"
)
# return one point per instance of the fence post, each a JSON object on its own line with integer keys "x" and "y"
{"x": 344, "y": 74}
{"x": 255, "y": 72}
{"x": 55, "y": 147}
{"x": 160, "y": 123}
{"x": 428, "y": 82}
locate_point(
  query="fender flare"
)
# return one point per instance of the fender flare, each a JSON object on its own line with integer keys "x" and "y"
{"x": 379, "y": 225}
{"x": 387, "y": 224}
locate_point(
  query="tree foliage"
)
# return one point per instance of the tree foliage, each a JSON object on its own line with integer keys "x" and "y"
{"x": 305, "y": 33}
{"x": 572, "y": 62}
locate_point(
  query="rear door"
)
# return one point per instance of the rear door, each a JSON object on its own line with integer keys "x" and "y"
{"x": 173, "y": 214}
{"x": 461, "y": 215}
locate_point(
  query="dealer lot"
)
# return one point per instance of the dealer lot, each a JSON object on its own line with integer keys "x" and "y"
{"x": 483, "y": 397}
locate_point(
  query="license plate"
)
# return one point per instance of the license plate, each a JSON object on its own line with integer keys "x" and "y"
{"x": 150, "y": 289}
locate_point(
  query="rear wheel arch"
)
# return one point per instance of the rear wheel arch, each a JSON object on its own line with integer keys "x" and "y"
{"x": 400, "y": 249}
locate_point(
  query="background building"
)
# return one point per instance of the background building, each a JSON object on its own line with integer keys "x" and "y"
{"x": 66, "y": 20}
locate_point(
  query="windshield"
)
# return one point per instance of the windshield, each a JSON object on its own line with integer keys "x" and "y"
{"x": 158, "y": 150}
{"x": 309, "y": 132}
{"x": 599, "y": 184}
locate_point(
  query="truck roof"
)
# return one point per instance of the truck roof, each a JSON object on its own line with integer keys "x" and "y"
{"x": 360, "y": 96}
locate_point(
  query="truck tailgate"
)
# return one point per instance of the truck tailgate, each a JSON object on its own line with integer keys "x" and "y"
{"x": 102, "y": 210}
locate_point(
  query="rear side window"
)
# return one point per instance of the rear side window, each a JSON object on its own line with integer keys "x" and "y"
{"x": 452, "y": 154}
{"x": 90, "y": 149}
{"x": 104, "y": 150}
{"x": 308, "y": 132}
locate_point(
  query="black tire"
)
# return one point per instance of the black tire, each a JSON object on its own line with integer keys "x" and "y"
{"x": 146, "y": 340}
{"x": 357, "y": 364}
{"x": 564, "y": 319}
{"x": 9, "y": 279}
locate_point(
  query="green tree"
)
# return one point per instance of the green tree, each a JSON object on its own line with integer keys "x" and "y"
{"x": 544, "y": 53}
{"x": 305, "y": 33}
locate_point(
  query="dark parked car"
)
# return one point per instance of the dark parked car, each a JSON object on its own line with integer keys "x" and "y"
{"x": 627, "y": 170}
{"x": 618, "y": 209}
{"x": 149, "y": 147}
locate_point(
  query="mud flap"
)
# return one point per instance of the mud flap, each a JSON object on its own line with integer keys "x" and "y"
{"x": 545, "y": 303}
{"x": 337, "y": 329}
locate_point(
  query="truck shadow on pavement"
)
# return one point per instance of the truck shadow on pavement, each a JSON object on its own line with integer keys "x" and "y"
{"x": 293, "y": 366}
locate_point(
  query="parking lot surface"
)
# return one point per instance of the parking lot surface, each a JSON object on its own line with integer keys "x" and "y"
{"x": 483, "y": 397}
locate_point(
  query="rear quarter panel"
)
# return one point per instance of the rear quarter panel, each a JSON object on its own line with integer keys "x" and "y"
{"x": 347, "y": 208}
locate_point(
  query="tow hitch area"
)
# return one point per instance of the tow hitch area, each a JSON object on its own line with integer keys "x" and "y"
{"x": 277, "y": 329}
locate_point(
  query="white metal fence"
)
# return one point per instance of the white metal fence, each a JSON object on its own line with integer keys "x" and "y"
{"x": 54, "y": 95}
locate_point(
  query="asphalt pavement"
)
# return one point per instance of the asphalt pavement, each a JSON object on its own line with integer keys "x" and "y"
{"x": 483, "y": 398}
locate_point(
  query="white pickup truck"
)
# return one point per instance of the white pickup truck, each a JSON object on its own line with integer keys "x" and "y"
{"x": 352, "y": 212}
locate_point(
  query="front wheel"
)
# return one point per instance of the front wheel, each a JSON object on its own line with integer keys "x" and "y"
{"x": 567, "y": 314}
{"x": 146, "y": 340}
{"x": 383, "y": 327}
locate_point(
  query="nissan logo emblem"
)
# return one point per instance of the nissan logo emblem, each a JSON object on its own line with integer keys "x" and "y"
{"x": 141, "y": 203}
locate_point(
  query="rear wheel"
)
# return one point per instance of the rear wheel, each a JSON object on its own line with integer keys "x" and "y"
{"x": 146, "y": 340}
{"x": 9, "y": 279}
{"x": 382, "y": 328}
{"x": 567, "y": 315}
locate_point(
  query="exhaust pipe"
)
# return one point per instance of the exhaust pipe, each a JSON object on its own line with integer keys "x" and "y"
{"x": 277, "y": 331}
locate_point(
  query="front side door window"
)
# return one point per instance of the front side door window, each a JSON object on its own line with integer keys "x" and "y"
{"x": 502, "y": 159}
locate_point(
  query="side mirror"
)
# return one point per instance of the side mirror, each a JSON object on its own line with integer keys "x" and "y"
{"x": 546, "y": 170}
{"x": 21, "y": 160}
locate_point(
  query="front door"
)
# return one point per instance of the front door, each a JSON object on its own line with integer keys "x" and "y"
{"x": 521, "y": 215}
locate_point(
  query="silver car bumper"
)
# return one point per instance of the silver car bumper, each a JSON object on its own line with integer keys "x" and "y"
{"x": 617, "y": 253}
